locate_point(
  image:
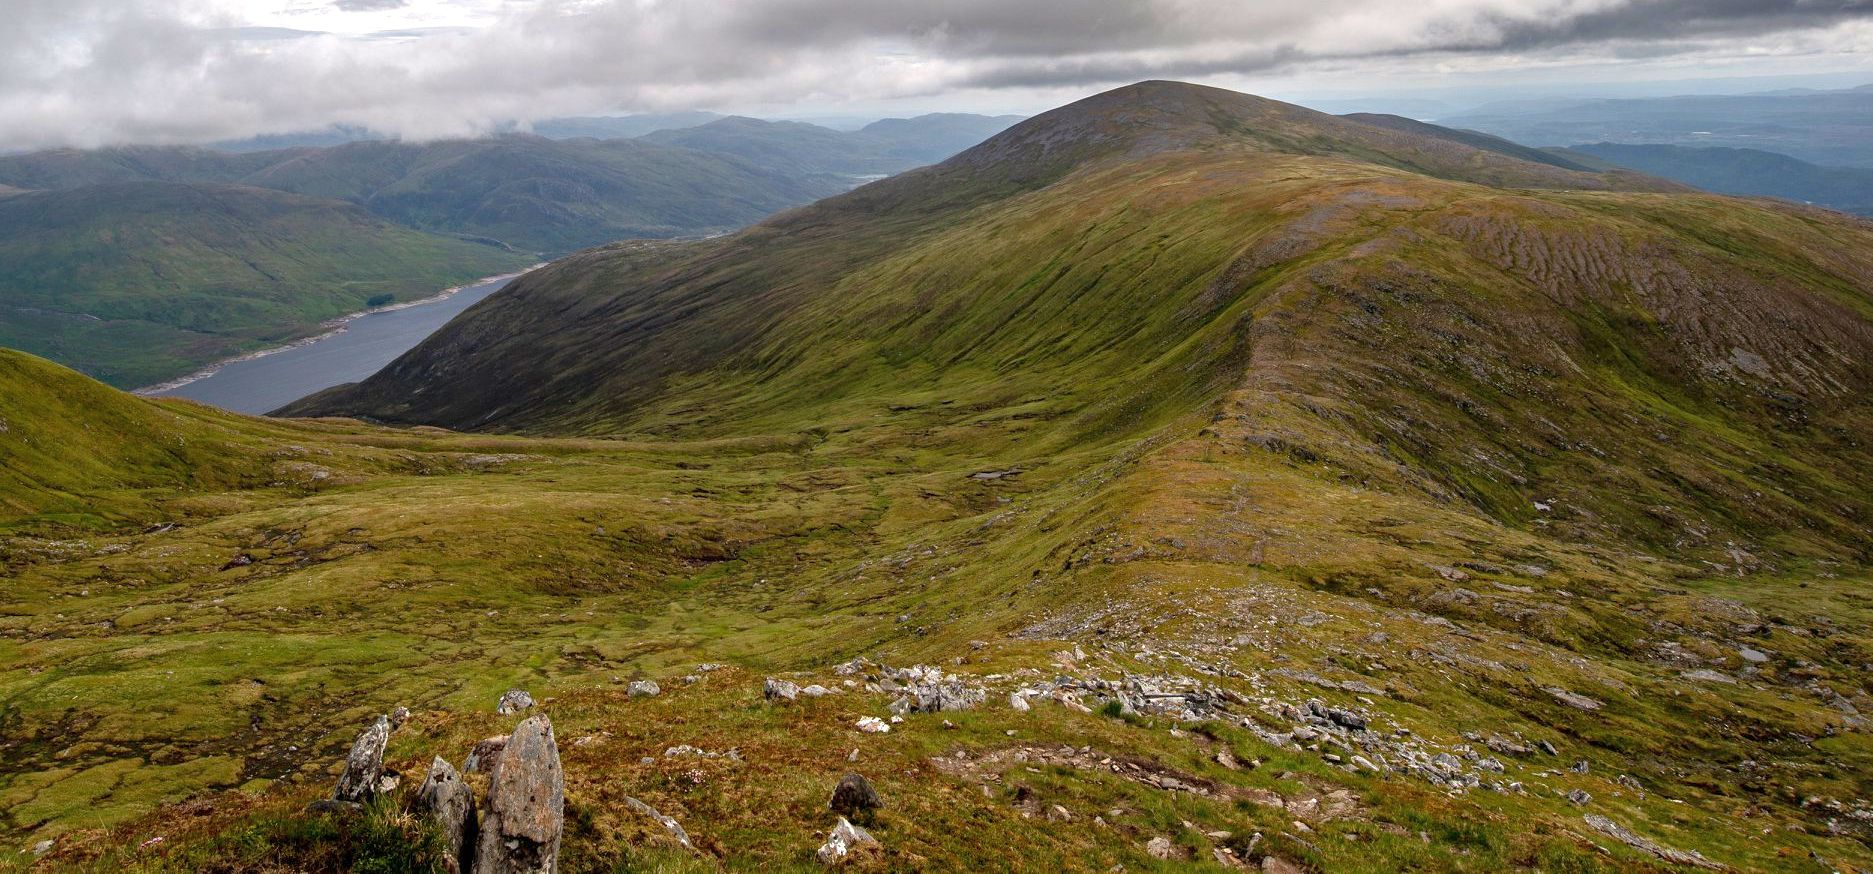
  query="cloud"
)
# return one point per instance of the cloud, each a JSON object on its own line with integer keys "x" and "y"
{"x": 91, "y": 72}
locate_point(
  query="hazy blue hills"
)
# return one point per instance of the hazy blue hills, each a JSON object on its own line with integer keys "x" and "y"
{"x": 1744, "y": 171}
{"x": 1823, "y": 127}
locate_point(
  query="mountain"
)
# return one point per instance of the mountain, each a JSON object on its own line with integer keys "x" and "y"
{"x": 1175, "y": 468}
{"x": 678, "y": 312}
{"x": 527, "y": 192}
{"x": 546, "y": 195}
{"x": 1822, "y": 127}
{"x": 1745, "y": 171}
{"x": 136, "y": 282}
{"x": 608, "y": 127}
{"x": 927, "y": 139}
{"x": 887, "y": 146}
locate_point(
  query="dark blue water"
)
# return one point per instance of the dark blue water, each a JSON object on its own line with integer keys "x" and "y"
{"x": 363, "y": 347}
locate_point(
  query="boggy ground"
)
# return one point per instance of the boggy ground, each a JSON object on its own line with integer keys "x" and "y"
{"x": 222, "y": 643}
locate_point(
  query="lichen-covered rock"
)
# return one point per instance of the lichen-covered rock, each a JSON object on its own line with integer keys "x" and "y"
{"x": 364, "y": 764}
{"x": 854, "y": 797}
{"x": 526, "y": 804}
{"x": 780, "y": 690}
{"x": 643, "y": 689}
{"x": 845, "y": 838}
{"x": 451, "y": 805}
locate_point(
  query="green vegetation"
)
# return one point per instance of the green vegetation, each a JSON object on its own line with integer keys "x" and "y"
{"x": 138, "y": 282}
{"x": 1174, "y": 385}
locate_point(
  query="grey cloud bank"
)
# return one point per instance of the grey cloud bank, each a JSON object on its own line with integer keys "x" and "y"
{"x": 95, "y": 72}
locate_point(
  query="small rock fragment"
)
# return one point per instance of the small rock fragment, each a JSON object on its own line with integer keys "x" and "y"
{"x": 643, "y": 689}
{"x": 513, "y": 701}
{"x": 780, "y": 690}
{"x": 669, "y": 824}
{"x": 844, "y": 838}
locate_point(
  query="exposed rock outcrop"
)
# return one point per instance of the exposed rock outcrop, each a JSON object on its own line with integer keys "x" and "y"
{"x": 451, "y": 805}
{"x": 526, "y": 804}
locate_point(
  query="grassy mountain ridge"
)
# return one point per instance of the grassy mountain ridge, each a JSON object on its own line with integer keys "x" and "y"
{"x": 1254, "y": 425}
{"x": 137, "y": 282}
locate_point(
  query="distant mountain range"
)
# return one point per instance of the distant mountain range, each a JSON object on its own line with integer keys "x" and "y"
{"x": 1823, "y": 127}
{"x": 1741, "y": 171}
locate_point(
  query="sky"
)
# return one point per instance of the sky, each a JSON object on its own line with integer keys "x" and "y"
{"x": 107, "y": 72}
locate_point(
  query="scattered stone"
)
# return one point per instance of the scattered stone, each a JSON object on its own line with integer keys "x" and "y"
{"x": 1677, "y": 857}
{"x": 1581, "y": 767}
{"x": 854, "y": 798}
{"x": 398, "y": 717}
{"x": 780, "y": 690}
{"x": 643, "y": 689}
{"x": 486, "y": 752}
{"x": 451, "y": 805}
{"x": 333, "y": 805}
{"x": 514, "y": 701}
{"x": 241, "y": 560}
{"x": 844, "y": 839}
{"x": 852, "y": 756}
{"x": 1547, "y": 747}
{"x": 365, "y": 763}
{"x": 1019, "y": 702}
{"x": 526, "y": 804}
{"x": 1574, "y": 700}
{"x": 42, "y": 848}
{"x": 1227, "y": 759}
{"x": 1579, "y": 796}
{"x": 1707, "y": 675}
{"x": 1161, "y": 847}
{"x": 873, "y": 724}
{"x": 669, "y": 824}
{"x": 816, "y": 691}
{"x": 1278, "y": 865}
{"x": 1753, "y": 656}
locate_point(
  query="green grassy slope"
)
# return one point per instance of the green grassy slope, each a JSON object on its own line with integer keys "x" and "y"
{"x": 142, "y": 281}
{"x": 1267, "y": 422}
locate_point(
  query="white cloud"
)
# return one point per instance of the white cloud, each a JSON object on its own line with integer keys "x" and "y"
{"x": 91, "y": 72}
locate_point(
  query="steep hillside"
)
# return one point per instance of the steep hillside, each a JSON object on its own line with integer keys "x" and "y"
{"x": 1251, "y": 487}
{"x": 1745, "y": 171}
{"x": 139, "y": 282}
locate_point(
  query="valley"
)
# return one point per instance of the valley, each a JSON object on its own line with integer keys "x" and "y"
{"x": 1180, "y": 478}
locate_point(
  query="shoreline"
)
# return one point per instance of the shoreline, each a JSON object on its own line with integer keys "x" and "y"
{"x": 336, "y": 325}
